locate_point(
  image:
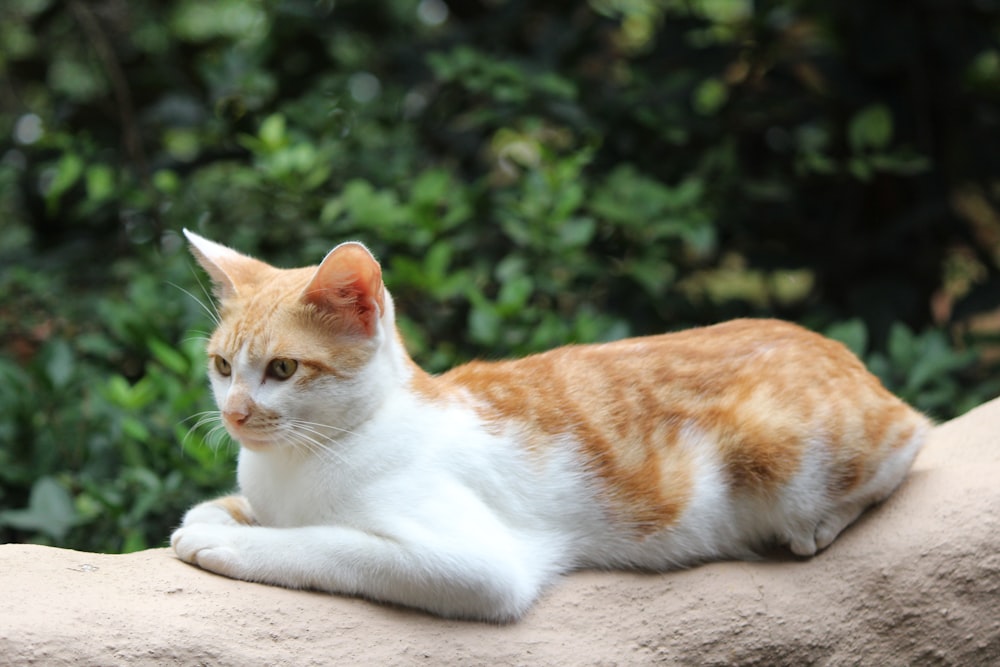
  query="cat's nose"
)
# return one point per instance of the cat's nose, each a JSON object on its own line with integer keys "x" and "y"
{"x": 236, "y": 417}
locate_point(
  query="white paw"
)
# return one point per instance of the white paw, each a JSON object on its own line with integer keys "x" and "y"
{"x": 219, "y": 512}
{"x": 803, "y": 544}
{"x": 807, "y": 541}
{"x": 210, "y": 546}
{"x": 831, "y": 526}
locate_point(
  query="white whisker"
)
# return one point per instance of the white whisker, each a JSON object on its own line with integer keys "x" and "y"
{"x": 300, "y": 441}
{"x": 216, "y": 436}
{"x": 315, "y": 437}
{"x": 208, "y": 296}
{"x": 211, "y": 310}
{"x": 316, "y": 426}
{"x": 197, "y": 335}
{"x": 303, "y": 439}
{"x": 203, "y": 415}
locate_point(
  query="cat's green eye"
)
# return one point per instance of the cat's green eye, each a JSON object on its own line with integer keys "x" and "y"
{"x": 222, "y": 366}
{"x": 282, "y": 369}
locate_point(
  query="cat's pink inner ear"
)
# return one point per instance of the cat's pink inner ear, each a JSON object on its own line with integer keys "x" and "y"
{"x": 227, "y": 268}
{"x": 348, "y": 284}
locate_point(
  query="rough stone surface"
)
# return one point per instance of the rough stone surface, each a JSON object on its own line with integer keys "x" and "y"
{"x": 914, "y": 582}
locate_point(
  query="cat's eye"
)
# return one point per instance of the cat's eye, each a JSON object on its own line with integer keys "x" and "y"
{"x": 282, "y": 369}
{"x": 222, "y": 366}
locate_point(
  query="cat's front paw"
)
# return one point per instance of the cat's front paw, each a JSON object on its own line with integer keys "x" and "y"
{"x": 225, "y": 511}
{"x": 211, "y": 547}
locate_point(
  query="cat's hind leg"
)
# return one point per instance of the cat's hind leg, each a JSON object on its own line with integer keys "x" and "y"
{"x": 834, "y": 523}
{"x": 803, "y": 542}
{"x": 818, "y": 536}
{"x": 814, "y": 537}
{"x": 817, "y": 530}
{"x": 888, "y": 476}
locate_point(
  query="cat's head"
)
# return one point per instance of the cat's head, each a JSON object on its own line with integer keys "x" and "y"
{"x": 297, "y": 358}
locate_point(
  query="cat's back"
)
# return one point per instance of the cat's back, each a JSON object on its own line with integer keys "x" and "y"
{"x": 762, "y": 390}
{"x": 747, "y": 364}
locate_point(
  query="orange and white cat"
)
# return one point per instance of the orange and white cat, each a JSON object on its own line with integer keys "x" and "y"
{"x": 467, "y": 493}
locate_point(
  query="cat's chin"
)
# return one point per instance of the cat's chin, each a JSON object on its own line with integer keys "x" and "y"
{"x": 255, "y": 445}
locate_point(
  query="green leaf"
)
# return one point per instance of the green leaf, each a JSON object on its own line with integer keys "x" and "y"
{"x": 167, "y": 181}
{"x": 50, "y": 510}
{"x": 373, "y": 208}
{"x": 168, "y": 356}
{"x": 709, "y": 96}
{"x": 182, "y": 143}
{"x": 576, "y": 232}
{"x": 904, "y": 162}
{"x": 431, "y": 187}
{"x": 852, "y": 333}
{"x": 135, "y": 429}
{"x": 272, "y": 132}
{"x": 934, "y": 360}
{"x": 59, "y": 363}
{"x": 131, "y": 397}
{"x": 117, "y": 390}
{"x": 100, "y": 182}
{"x": 68, "y": 171}
{"x": 653, "y": 274}
{"x": 870, "y": 128}
{"x": 514, "y": 293}
{"x": 901, "y": 344}
{"x": 437, "y": 261}
{"x": 484, "y": 324}
{"x": 860, "y": 168}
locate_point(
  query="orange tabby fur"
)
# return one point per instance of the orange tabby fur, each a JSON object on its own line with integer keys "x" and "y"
{"x": 743, "y": 382}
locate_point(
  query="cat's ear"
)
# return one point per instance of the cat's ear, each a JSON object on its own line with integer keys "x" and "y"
{"x": 227, "y": 268}
{"x": 348, "y": 285}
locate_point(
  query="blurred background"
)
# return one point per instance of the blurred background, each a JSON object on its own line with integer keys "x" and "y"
{"x": 530, "y": 173}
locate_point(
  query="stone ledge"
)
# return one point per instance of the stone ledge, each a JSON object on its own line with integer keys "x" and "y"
{"x": 915, "y": 581}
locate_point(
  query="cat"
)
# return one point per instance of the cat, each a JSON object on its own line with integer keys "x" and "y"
{"x": 466, "y": 494}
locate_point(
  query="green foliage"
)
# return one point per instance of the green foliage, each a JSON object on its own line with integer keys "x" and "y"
{"x": 925, "y": 370}
{"x": 530, "y": 174}
{"x": 96, "y": 451}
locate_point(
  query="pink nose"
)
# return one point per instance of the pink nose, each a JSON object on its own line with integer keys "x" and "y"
{"x": 236, "y": 417}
